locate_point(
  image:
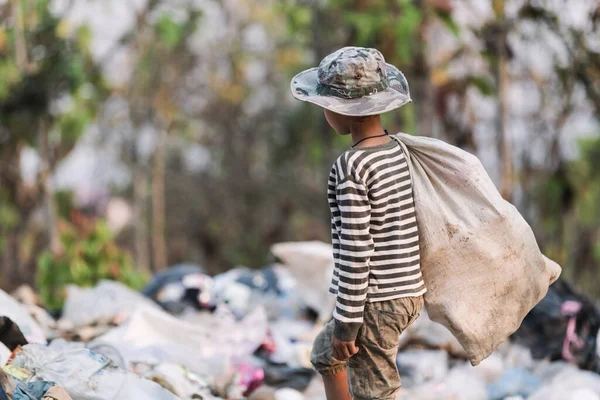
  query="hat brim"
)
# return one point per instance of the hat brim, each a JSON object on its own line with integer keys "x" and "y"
{"x": 304, "y": 87}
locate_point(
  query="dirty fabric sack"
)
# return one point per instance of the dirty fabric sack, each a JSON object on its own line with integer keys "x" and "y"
{"x": 480, "y": 261}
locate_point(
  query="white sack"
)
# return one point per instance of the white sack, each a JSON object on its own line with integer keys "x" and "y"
{"x": 480, "y": 261}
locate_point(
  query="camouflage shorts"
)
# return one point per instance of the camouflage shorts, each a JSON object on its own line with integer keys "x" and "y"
{"x": 372, "y": 372}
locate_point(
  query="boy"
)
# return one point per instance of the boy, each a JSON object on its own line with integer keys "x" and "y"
{"x": 377, "y": 278}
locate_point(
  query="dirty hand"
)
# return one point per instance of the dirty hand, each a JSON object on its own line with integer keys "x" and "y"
{"x": 342, "y": 350}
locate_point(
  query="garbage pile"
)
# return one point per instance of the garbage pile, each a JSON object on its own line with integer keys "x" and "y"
{"x": 247, "y": 334}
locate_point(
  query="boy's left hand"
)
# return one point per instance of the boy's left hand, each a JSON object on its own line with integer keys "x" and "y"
{"x": 342, "y": 350}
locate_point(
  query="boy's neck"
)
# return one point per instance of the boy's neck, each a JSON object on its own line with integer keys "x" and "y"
{"x": 368, "y": 128}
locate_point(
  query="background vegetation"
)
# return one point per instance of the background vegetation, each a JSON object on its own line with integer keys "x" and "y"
{"x": 182, "y": 113}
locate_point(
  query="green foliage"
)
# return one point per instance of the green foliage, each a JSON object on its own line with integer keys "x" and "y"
{"x": 169, "y": 32}
{"x": 446, "y": 18}
{"x": 87, "y": 258}
{"x": 58, "y": 65}
{"x": 9, "y": 75}
{"x": 485, "y": 85}
{"x": 406, "y": 28}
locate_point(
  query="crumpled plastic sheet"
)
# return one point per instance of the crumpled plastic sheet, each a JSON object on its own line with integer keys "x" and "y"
{"x": 154, "y": 336}
{"x": 103, "y": 303}
{"x": 311, "y": 263}
{"x": 31, "y": 390}
{"x": 86, "y": 375}
{"x": 18, "y": 313}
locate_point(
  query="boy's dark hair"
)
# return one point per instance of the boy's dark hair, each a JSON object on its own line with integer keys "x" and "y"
{"x": 364, "y": 118}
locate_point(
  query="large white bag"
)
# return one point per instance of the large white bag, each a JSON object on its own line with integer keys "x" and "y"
{"x": 480, "y": 261}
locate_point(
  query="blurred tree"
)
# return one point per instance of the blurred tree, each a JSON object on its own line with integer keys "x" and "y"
{"x": 49, "y": 86}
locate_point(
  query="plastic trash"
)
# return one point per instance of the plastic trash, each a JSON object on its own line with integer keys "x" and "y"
{"x": 31, "y": 390}
{"x": 263, "y": 393}
{"x": 172, "y": 274}
{"x": 265, "y": 280}
{"x": 279, "y": 376}
{"x": 288, "y": 394}
{"x": 176, "y": 379}
{"x": 514, "y": 382}
{"x": 431, "y": 334}
{"x": 106, "y": 302}
{"x": 182, "y": 287}
{"x": 250, "y": 377}
{"x": 561, "y": 380}
{"x": 293, "y": 342}
{"x": 584, "y": 394}
{"x": 7, "y": 385}
{"x": 10, "y": 334}
{"x": 564, "y": 325}
{"x": 461, "y": 383}
{"x": 154, "y": 336}
{"x": 419, "y": 366}
{"x": 311, "y": 263}
{"x": 492, "y": 368}
{"x": 10, "y": 308}
{"x": 5, "y": 354}
{"x": 479, "y": 257}
{"x": 84, "y": 374}
{"x": 56, "y": 393}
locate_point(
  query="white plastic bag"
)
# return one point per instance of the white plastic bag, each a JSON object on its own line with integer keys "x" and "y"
{"x": 103, "y": 303}
{"x": 205, "y": 347}
{"x": 86, "y": 375}
{"x": 311, "y": 263}
{"x": 421, "y": 366}
{"x": 19, "y": 314}
{"x": 432, "y": 334}
{"x": 480, "y": 261}
{"x": 569, "y": 384}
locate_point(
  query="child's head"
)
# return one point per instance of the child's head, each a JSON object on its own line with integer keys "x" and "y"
{"x": 344, "y": 124}
{"x": 352, "y": 82}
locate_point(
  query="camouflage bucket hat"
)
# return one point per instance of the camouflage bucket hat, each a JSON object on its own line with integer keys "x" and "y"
{"x": 353, "y": 81}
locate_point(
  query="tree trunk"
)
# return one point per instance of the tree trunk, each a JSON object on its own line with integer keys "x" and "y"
{"x": 20, "y": 43}
{"x": 422, "y": 88}
{"x": 48, "y": 190}
{"x": 504, "y": 144}
{"x": 140, "y": 197}
{"x": 159, "y": 247}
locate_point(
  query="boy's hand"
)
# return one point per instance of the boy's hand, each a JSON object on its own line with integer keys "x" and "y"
{"x": 342, "y": 350}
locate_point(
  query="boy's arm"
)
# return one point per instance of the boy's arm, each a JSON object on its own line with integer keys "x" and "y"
{"x": 356, "y": 248}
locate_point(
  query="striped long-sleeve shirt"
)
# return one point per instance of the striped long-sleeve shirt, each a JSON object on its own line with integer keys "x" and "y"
{"x": 374, "y": 233}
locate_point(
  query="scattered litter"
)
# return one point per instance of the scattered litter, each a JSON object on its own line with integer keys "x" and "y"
{"x": 31, "y": 390}
{"x": 514, "y": 382}
{"x": 18, "y": 313}
{"x": 419, "y": 366}
{"x": 108, "y": 302}
{"x": 84, "y": 374}
{"x": 56, "y": 393}
{"x": 247, "y": 334}
{"x": 10, "y": 334}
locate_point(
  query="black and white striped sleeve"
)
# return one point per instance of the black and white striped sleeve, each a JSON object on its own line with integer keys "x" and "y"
{"x": 335, "y": 220}
{"x": 355, "y": 249}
